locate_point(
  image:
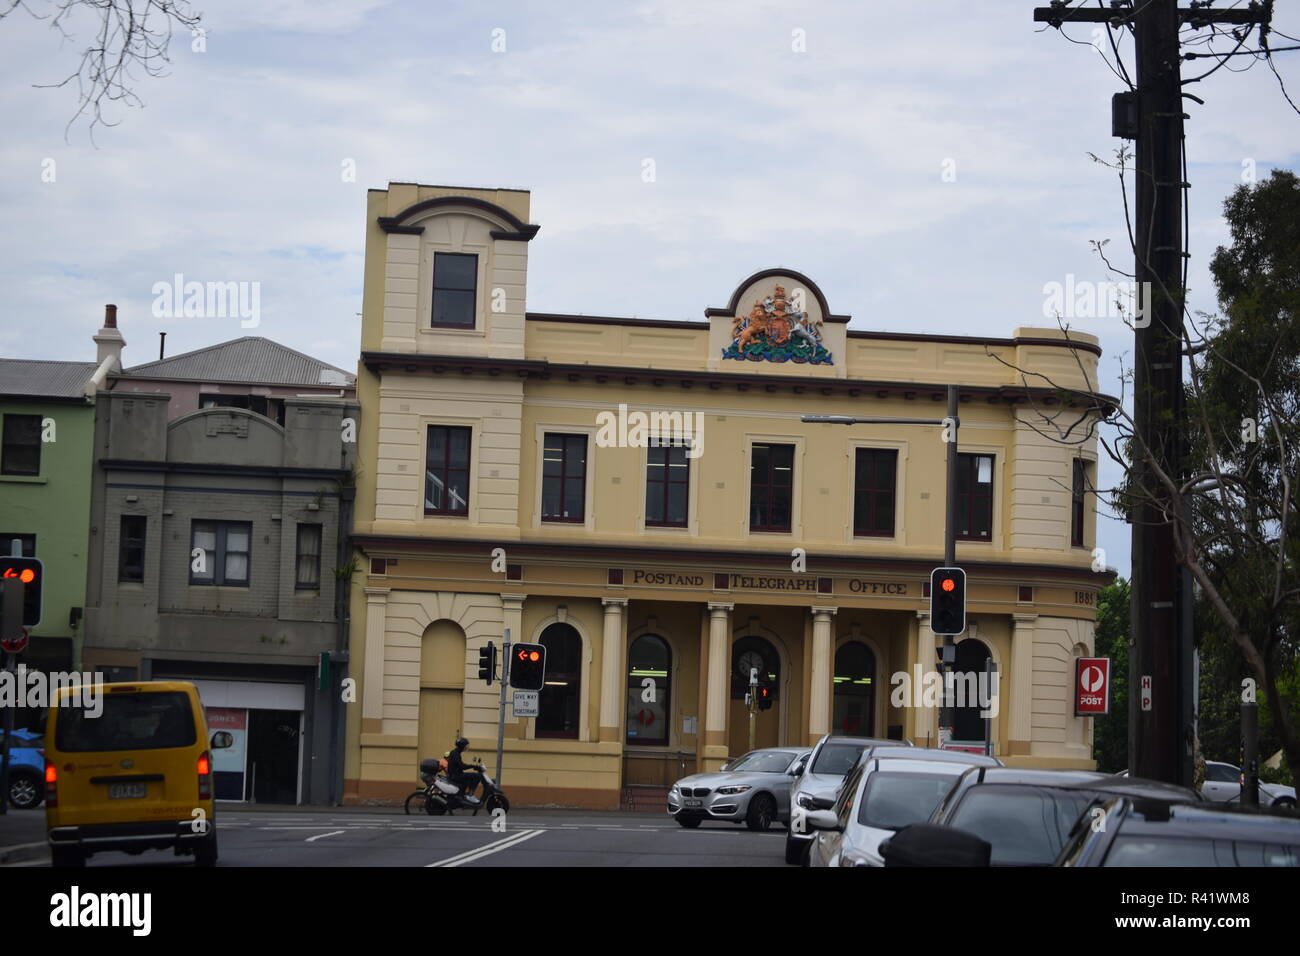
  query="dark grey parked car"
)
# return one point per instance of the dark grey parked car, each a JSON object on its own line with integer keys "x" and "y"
{"x": 753, "y": 789}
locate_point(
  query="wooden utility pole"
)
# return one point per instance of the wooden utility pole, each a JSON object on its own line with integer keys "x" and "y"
{"x": 1161, "y": 722}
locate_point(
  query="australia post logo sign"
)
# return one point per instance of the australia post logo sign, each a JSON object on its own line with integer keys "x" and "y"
{"x": 1091, "y": 686}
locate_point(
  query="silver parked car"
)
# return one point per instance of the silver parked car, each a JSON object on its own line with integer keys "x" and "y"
{"x": 753, "y": 789}
{"x": 1223, "y": 785}
{"x": 816, "y": 788}
{"x": 880, "y": 797}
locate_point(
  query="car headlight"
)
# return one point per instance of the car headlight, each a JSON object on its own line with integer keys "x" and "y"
{"x": 673, "y": 788}
{"x": 731, "y": 790}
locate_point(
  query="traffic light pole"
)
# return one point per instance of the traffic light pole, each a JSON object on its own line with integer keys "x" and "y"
{"x": 952, "y": 421}
{"x": 11, "y": 665}
{"x": 501, "y": 712}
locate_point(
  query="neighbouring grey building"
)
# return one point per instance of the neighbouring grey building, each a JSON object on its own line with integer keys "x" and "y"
{"x": 221, "y": 510}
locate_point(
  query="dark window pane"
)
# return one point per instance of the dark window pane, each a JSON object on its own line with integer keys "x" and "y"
{"x": 454, "y": 270}
{"x": 677, "y": 498}
{"x": 453, "y": 308}
{"x": 308, "y": 571}
{"x": 21, "y": 454}
{"x": 131, "y": 546}
{"x": 446, "y": 473}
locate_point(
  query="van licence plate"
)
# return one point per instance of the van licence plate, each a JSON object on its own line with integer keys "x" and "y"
{"x": 127, "y": 791}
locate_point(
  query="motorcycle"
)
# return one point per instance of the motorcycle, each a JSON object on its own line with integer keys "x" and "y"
{"x": 441, "y": 796}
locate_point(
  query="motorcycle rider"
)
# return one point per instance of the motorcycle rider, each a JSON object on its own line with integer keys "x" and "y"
{"x": 457, "y": 772}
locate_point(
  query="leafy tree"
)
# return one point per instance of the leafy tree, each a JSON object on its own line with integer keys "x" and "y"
{"x": 1110, "y": 733}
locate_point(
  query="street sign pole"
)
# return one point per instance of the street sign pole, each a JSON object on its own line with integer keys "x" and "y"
{"x": 11, "y": 665}
{"x": 753, "y": 705}
{"x": 501, "y": 713}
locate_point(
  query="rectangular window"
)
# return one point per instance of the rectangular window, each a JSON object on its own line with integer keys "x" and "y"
{"x": 21, "y": 451}
{"x": 975, "y": 497}
{"x": 874, "y": 485}
{"x": 564, "y": 478}
{"x": 1076, "y": 502}
{"x": 455, "y": 278}
{"x": 446, "y": 471}
{"x": 225, "y": 558}
{"x": 667, "y": 483}
{"x": 771, "y": 487}
{"x": 130, "y": 548}
{"x": 308, "y": 574}
{"x": 27, "y": 543}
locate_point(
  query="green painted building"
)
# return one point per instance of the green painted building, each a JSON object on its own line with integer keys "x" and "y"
{"x": 47, "y": 425}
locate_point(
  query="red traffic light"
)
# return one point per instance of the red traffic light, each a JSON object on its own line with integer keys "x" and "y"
{"x": 26, "y": 575}
{"x": 527, "y": 655}
{"x": 948, "y": 584}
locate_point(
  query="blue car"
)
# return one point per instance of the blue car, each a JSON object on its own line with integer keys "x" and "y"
{"x": 26, "y": 769}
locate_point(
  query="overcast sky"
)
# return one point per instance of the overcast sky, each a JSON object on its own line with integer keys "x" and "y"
{"x": 829, "y": 159}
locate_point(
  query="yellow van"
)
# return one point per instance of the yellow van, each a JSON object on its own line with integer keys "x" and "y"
{"x": 128, "y": 766}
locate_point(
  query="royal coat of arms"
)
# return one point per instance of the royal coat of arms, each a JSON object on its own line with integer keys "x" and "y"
{"x": 775, "y": 331}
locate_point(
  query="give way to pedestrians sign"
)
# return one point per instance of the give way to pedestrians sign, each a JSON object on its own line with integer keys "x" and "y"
{"x": 525, "y": 704}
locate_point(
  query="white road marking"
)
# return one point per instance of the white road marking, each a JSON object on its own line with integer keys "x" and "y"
{"x": 320, "y": 836}
{"x": 495, "y": 847}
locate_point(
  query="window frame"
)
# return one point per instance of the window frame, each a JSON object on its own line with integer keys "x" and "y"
{"x": 123, "y": 547}
{"x": 666, "y": 484}
{"x": 434, "y": 289}
{"x": 970, "y": 460}
{"x": 564, "y": 478}
{"x": 219, "y": 554}
{"x": 6, "y": 444}
{"x": 770, "y": 486}
{"x": 1078, "y": 497}
{"x": 875, "y": 490}
{"x": 299, "y": 585}
{"x": 447, "y": 467}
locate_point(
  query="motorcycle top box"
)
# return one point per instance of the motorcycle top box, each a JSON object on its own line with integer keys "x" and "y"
{"x": 431, "y": 766}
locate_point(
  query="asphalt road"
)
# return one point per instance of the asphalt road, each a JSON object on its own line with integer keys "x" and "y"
{"x": 330, "y": 838}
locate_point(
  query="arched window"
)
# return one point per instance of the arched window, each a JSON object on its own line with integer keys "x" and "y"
{"x": 561, "y": 697}
{"x": 854, "y": 703}
{"x": 649, "y": 660}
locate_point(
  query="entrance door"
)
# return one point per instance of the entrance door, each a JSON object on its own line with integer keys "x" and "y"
{"x": 442, "y": 683}
{"x": 970, "y": 690}
{"x": 273, "y": 746}
{"x": 854, "y": 704}
{"x": 746, "y": 654}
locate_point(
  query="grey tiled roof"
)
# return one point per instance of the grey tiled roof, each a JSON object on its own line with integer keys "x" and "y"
{"x": 248, "y": 359}
{"x": 39, "y": 378}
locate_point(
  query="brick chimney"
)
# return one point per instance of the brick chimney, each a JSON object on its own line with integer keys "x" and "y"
{"x": 109, "y": 341}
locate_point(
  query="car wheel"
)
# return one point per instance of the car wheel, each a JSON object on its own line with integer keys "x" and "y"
{"x": 1284, "y": 803}
{"x": 205, "y": 854}
{"x": 67, "y": 856}
{"x": 762, "y": 811}
{"x": 689, "y": 822}
{"x": 25, "y": 791}
{"x": 796, "y": 851}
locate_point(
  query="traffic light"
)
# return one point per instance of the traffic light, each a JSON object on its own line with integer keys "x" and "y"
{"x": 487, "y": 663}
{"x": 948, "y": 601}
{"x": 764, "y": 696}
{"x": 527, "y": 666}
{"x": 31, "y": 572}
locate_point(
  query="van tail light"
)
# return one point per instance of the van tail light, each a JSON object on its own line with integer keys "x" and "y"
{"x": 205, "y": 776}
{"x": 51, "y": 785}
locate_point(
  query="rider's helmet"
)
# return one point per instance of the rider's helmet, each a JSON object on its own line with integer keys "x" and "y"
{"x": 461, "y": 743}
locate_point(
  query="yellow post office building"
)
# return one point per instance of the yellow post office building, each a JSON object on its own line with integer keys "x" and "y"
{"x": 642, "y": 497}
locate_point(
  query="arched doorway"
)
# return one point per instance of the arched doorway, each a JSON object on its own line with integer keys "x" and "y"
{"x": 748, "y": 653}
{"x": 854, "y": 709}
{"x": 560, "y": 700}
{"x": 442, "y": 688}
{"x": 649, "y": 676}
{"x": 970, "y": 690}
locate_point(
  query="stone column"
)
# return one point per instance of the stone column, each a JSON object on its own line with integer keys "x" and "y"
{"x": 612, "y": 654}
{"x": 926, "y": 718}
{"x": 1020, "y": 683}
{"x": 715, "y": 721}
{"x": 372, "y": 688}
{"x": 820, "y": 692}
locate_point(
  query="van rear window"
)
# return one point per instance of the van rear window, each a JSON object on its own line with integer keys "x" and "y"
{"x": 151, "y": 721}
